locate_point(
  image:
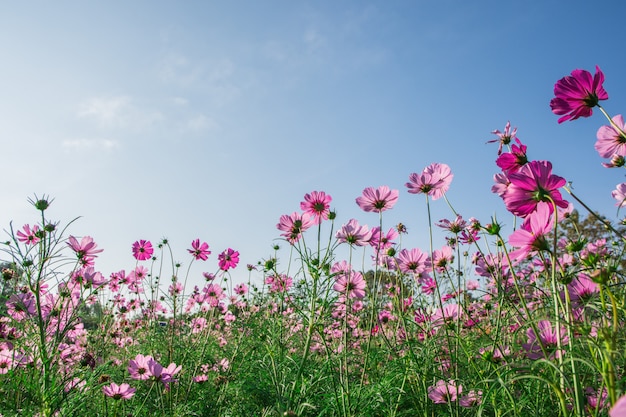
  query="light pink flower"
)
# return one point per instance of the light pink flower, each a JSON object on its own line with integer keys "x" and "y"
{"x": 434, "y": 181}
{"x": 412, "y": 261}
{"x": 377, "y": 200}
{"x": 612, "y": 141}
{"x": 118, "y": 392}
{"x": 142, "y": 250}
{"x": 279, "y": 283}
{"x": 444, "y": 392}
{"x": 504, "y": 138}
{"x": 531, "y": 236}
{"x": 294, "y": 225}
{"x": 317, "y": 205}
{"x": 353, "y": 233}
{"x": 577, "y": 94}
{"x": 350, "y": 284}
{"x": 380, "y": 241}
{"x": 619, "y": 408}
{"x": 139, "y": 368}
{"x": 85, "y": 249}
{"x": 27, "y": 235}
{"x": 620, "y": 194}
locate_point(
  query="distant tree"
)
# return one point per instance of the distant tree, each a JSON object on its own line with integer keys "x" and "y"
{"x": 591, "y": 228}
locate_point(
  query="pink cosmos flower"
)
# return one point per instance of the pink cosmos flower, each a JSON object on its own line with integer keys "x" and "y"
{"x": 198, "y": 324}
{"x": 294, "y": 225}
{"x": 118, "y": 392}
{"x": 380, "y": 241}
{"x": 444, "y": 392}
{"x": 6, "y": 361}
{"x": 412, "y": 261}
{"x": 532, "y": 184}
{"x": 577, "y": 94}
{"x": 472, "y": 399}
{"x": 441, "y": 259}
{"x": 434, "y": 181}
{"x": 582, "y": 288}
{"x": 531, "y": 236}
{"x": 142, "y": 250}
{"x": 619, "y": 408}
{"x": 514, "y": 160}
{"x": 317, "y": 205}
{"x": 228, "y": 259}
{"x": 351, "y": 284}
{"x": 504, "y": 138}
{"x": 547, "y": 338}
{"x": 139, "y": 368}
{"x": 353, "y": 233}
{"x": 612, "y": 141}
{"x": 199, "y": 251}
{"x": 279, "y": 283}
{"x": 502, "y": 183}
{"x": 85, "y": 249}
{"x": 617, "y": 161}
{"x": 212, "y": 294}
{"x": 620, "y": 194}
{"x": 241, "y": 289}
{"x": 377, "y": 200}
{"x": 28, "y": 236}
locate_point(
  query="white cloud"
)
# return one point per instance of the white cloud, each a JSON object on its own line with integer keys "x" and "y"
{"x": 118, "y": 112}
{"x": 200, "y": 123}
{"x": 100, "y": 144}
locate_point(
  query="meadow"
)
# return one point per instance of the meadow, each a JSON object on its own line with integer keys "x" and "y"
{"x": 527, "y": 323}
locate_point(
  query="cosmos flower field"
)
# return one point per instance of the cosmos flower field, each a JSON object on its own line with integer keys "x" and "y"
{"x": 529, "y": 322}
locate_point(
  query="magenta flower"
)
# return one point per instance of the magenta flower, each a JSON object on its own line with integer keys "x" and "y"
{"x": 434, "y": 181}
{"x": 444, "y": 392}
{"x": 611, "y": 140}
{"x": 118, "y": 392}
{"x": 504, "y": 138}
{"x": 294, "y": 225}
{"x": 377, "y": 200}
{"x": 199, "y": 251}
{"x": 228, "y": 259}
{"x": 577, "y": 94}
{"x": 582, "y": 288}
{"x": 532, "y": 184}
{"x": 513, "y": 161}
{"x": 317, "y": 205}
{"x": 354, "y": 234}
{"x": 620, "y": 194}
{"x": 350, "y": 284}
{"x": 547, "y": 338}
{"x": 142, "y": 250}
{"x": 85, "y": 250}
{"x": 28, "y": 236}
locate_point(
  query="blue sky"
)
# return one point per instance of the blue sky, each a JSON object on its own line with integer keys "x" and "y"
{"x": 209, "y": 120}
